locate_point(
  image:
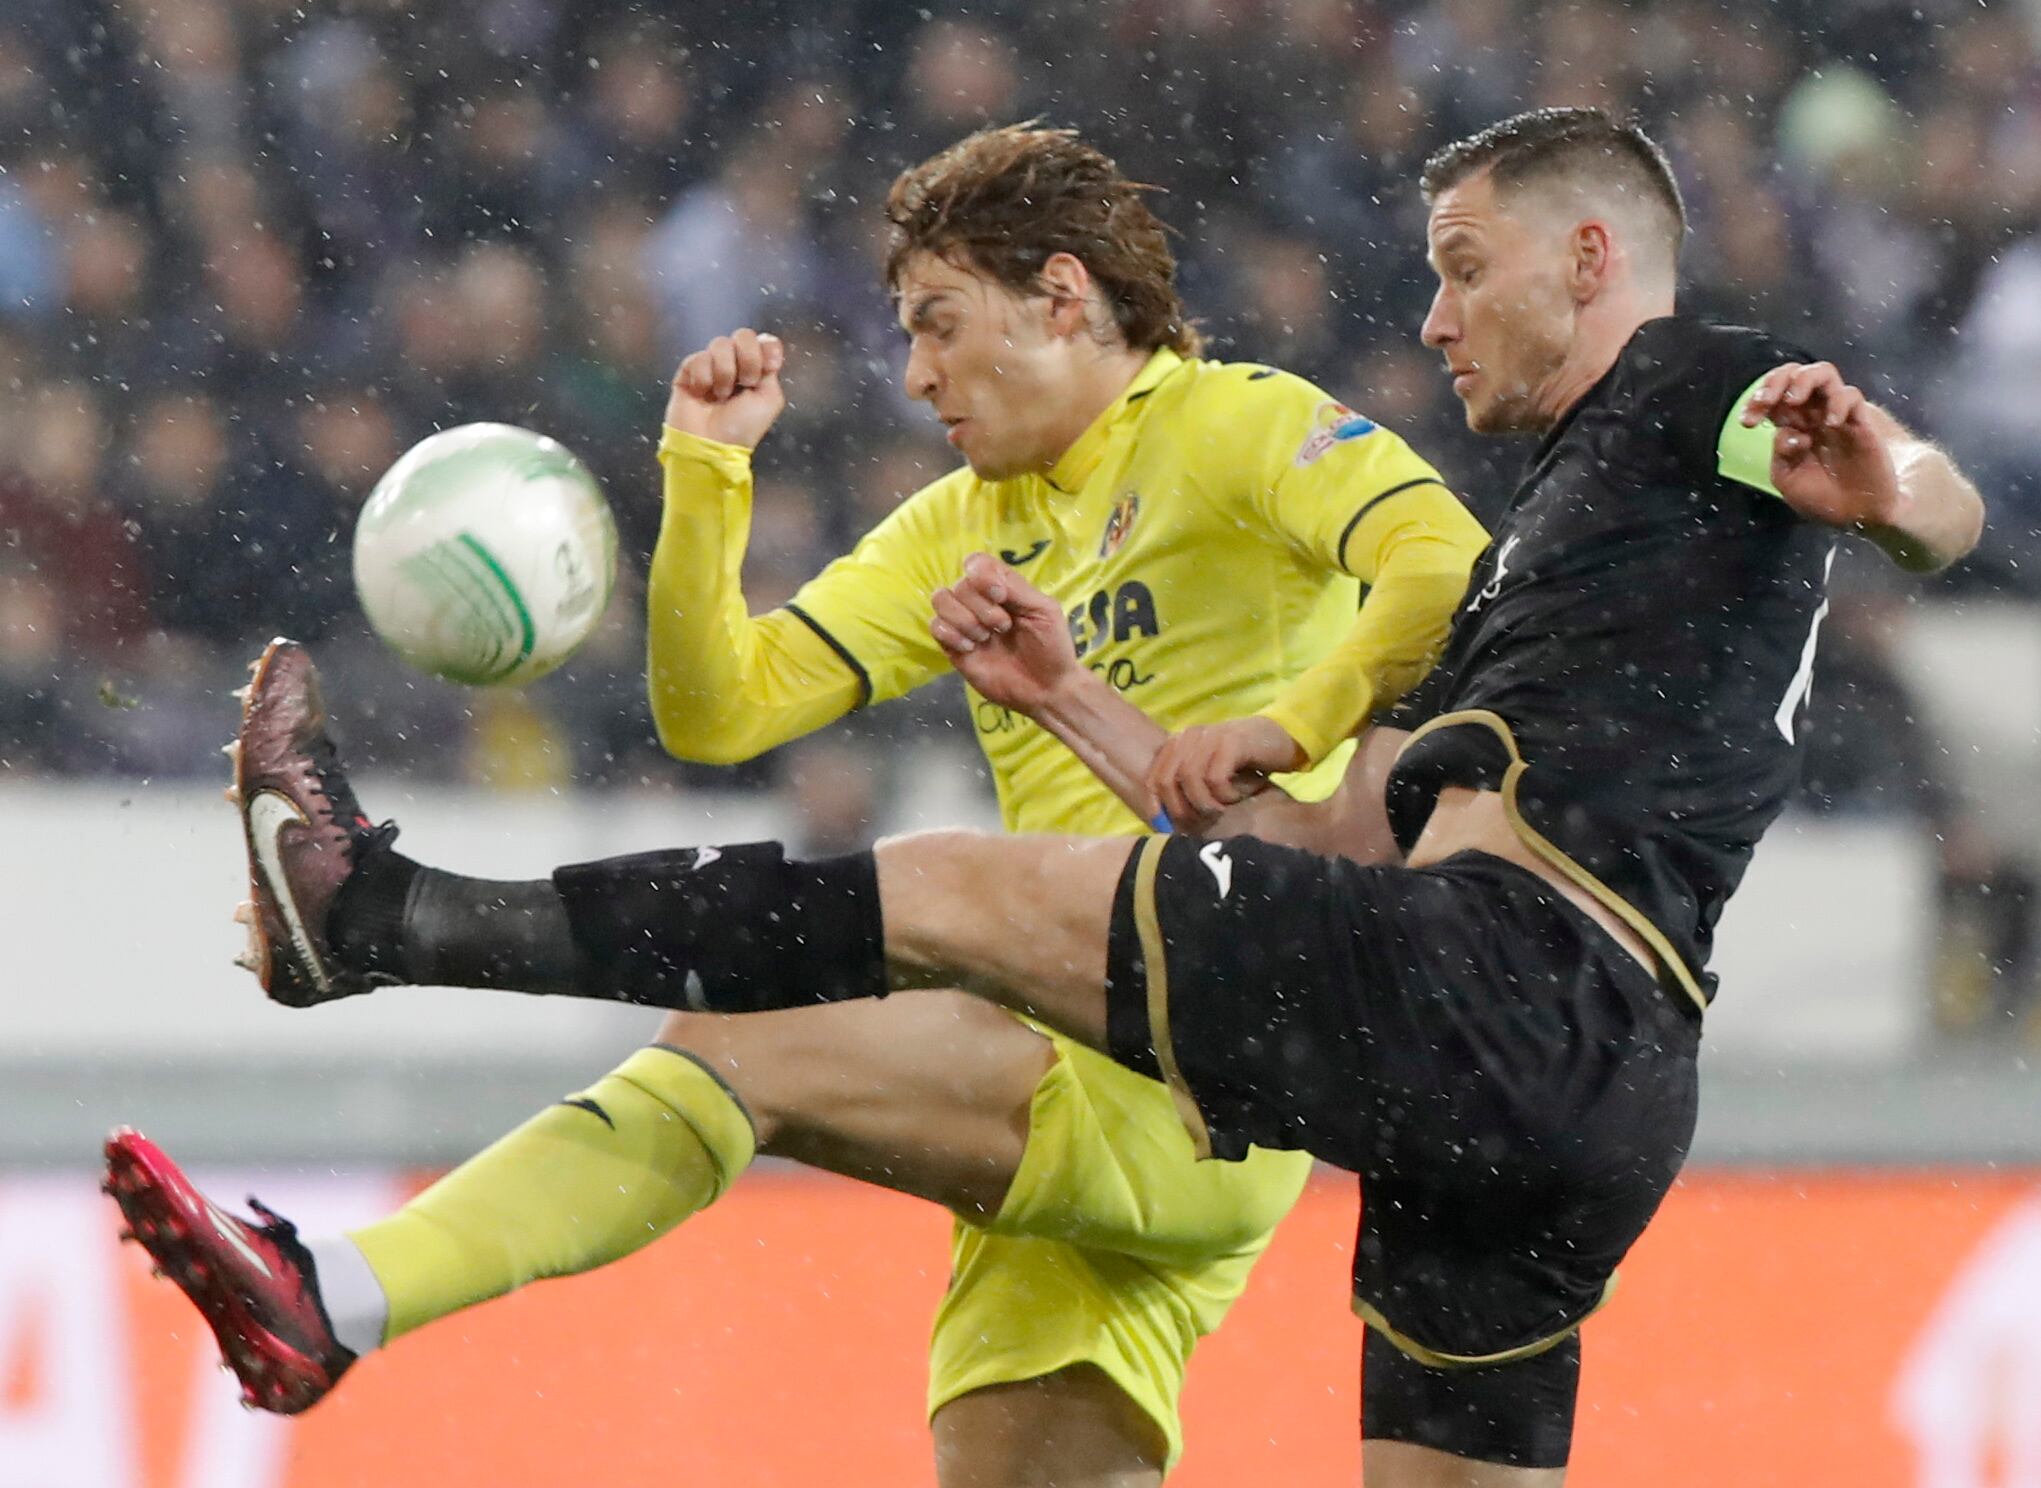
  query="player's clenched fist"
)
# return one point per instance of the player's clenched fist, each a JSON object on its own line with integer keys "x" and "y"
{"x": 730, "y": 390}
{"x": 1009, "y": 640}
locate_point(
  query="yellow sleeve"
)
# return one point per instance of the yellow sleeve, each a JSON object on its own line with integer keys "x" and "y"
{"x": 1419, "y": 546}
{"x": 1353, "y": 496}
{"x": 726, "y": 686}
{"x": 873, "y": 603}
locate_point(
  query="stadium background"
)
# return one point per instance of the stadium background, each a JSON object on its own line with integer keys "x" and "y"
{"x": 249, "y": 250}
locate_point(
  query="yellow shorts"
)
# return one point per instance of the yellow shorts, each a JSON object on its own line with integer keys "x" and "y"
{"x": 1115, "y": 1247}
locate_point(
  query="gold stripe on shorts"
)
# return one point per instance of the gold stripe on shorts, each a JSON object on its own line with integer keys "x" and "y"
{"x": 1434, "y": 1359}
{"x": 1148, "y": 925}
{"x": 1671, "y": 962}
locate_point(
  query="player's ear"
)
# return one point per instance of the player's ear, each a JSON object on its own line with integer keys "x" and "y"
{"x": 1068, "y": 284}
{"x": 1593, "y": 257}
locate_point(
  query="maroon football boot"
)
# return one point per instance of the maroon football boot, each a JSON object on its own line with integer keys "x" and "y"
{"x": 252, "y": 1283}
{"x": 305, "y": 830}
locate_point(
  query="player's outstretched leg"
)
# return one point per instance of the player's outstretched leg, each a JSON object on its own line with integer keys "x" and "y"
{"x": 252, "y": 1282}
{"x": 334, "y": 910}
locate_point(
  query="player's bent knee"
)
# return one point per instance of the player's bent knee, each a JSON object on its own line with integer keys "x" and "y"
{"x": 856, "y": 1088}
{"x": 704, "y": 1035}
{"x": 719, "y": 1042}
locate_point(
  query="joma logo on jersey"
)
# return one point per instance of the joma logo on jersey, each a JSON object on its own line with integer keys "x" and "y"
{"x": 1492, "y": 590}
{"x": 1114, "y": 615}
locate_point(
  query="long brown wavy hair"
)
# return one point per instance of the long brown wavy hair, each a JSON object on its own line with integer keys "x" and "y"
{"x": 1003, "y": 201}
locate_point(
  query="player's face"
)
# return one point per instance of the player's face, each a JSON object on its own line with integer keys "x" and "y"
{"x": 991, "y": 365}
{"x": 1503, "y": 316}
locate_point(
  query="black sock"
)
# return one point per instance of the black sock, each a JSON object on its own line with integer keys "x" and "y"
{"x": 480, "y": 932}
{"x": 365, "y": 927}
{"x": 734, "y": 929}
{"x": 399, "y": 919}
{"x": 731, "y": 929}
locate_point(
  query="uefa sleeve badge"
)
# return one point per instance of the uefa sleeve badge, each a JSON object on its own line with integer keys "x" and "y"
{"x": 1333, "y": 423}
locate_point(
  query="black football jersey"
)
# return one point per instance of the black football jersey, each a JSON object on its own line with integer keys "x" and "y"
{"x": 1638, "y": 640}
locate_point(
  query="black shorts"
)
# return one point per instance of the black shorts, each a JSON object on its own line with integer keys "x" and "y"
{"x": 1514, "y": 1089}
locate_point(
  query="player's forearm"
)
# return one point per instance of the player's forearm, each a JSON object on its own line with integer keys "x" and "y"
{"x": 1940, "y": 515}
{"x": 1118, "y": 742}
{"x": 1115, "y": 740}
{"x": 724, "y": 686}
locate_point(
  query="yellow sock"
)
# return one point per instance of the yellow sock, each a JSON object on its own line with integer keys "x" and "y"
{"x": 581, "y": 1184}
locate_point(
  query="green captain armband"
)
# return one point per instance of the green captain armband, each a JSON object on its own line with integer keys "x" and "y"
{"x": 1745, "y": 455}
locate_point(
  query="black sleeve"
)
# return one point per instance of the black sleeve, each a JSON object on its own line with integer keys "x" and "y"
{"x": 1686, "y": 376}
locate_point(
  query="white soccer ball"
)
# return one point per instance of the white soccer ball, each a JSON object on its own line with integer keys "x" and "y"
{"x": 486, "y": 555}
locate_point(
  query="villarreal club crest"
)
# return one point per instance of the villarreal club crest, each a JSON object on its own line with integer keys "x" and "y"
{"x": 1119, "y": 524}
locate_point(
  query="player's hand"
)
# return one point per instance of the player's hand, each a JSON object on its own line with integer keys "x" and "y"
{"x": 1830, "y": 459}
{"x": 1009, "y": 640}
{"x": 730, "y": 390}
{"x": 1200, "y": 772}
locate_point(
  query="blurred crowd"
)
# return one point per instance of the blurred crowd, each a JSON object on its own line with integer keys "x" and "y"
{"x": 251, "y": 249}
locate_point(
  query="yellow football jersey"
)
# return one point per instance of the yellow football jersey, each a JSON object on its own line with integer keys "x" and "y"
{"x": 1211, "y": 537}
